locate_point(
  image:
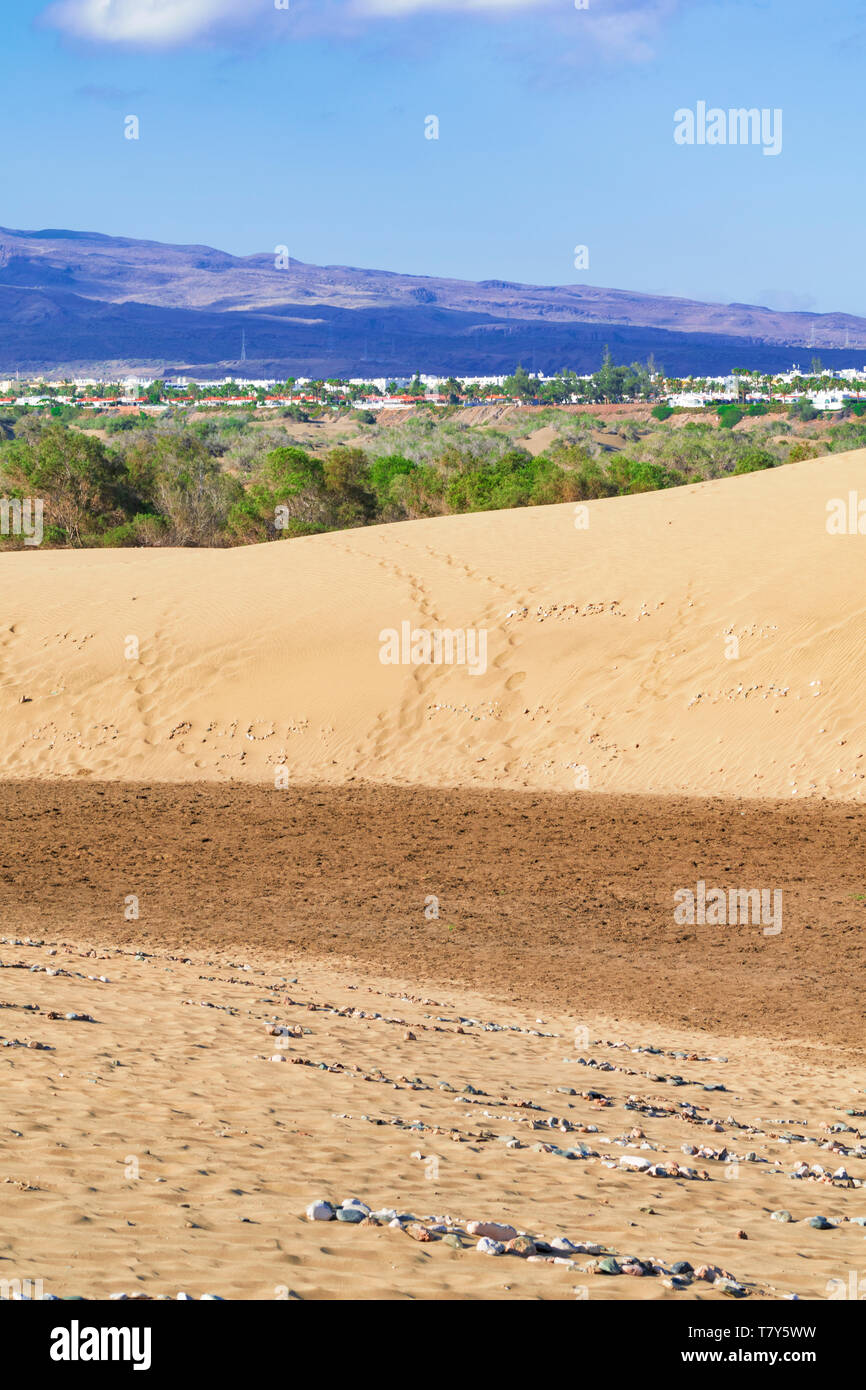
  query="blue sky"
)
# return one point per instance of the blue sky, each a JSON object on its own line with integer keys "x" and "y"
{"x": 305, "y": 126}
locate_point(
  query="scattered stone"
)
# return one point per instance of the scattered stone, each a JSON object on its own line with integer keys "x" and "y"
{"x": 731, "y": 1288}
{"x": 357, "y": 1204}
{"x": 492, "y": 1230}
{"x": 354, "y": 1215}
{"x": 419, "y": 1232}
{"x": 521, "y": 1245}
{"x": 320, "y": 1211}
{"x": 486, "y": 1246}
{"x": 639, "y": 1165}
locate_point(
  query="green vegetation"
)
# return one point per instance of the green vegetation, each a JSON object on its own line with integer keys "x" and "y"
{"x": 753, "y": 460}
{"x": 803, "y": 410}
{"x": 232, "y": 475}
{"x": 609, "y": 385}
{"x": 226, "y": 479}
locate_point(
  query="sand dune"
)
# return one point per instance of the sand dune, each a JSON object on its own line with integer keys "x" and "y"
{"x": 610, "y": 662}
{"x": 468, "y": 1067}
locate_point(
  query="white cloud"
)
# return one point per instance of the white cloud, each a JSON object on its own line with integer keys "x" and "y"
{"x": 619, "y": 29}
{"x": 629, "y": 28}
{"x": 144, "y": 22}
{"x": 406, "y": 7}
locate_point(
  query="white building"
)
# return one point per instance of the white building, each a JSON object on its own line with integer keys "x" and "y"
{"x": 828, "y": 400}
{"x": 689, "y": 400}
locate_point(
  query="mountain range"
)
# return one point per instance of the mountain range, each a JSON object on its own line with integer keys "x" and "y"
{"x": 85, "y": 302}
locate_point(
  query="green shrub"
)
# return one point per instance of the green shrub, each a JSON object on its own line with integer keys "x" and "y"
{"x": 753, "y": 460}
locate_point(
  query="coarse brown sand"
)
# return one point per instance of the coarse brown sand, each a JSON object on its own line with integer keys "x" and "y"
{"x": 542, "y": 899}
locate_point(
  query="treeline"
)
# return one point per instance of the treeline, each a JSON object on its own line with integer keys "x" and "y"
{"x": 227, "y": 482}
{"x": 610, "y": 385}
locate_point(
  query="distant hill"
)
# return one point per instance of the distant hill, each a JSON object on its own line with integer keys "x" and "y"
{"x": 79, "y": 300}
